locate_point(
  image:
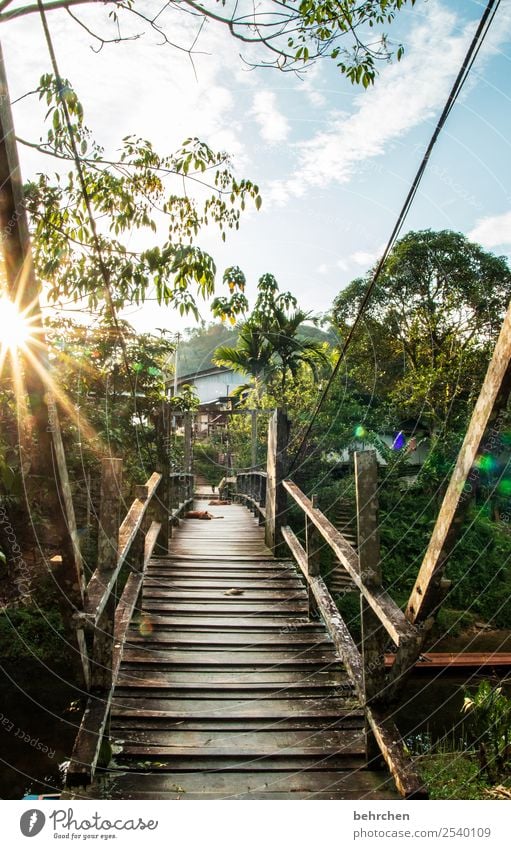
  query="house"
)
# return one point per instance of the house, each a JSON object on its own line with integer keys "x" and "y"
{"x": 213, "y": 386}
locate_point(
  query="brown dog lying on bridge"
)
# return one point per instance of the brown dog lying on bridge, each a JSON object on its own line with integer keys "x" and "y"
{"x": 201, "y": 514}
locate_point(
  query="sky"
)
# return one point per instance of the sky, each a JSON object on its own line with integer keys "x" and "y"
{"x": 333, "y": 162}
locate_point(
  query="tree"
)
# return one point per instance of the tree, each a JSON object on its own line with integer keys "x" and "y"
{"x": 429, "y": 326}
{"x": 78, "y": 260}
{"x": 291, "y": 33}
{"x": 269, "y": 347}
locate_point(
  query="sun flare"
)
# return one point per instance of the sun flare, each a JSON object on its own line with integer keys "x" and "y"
{"x": 14, "y": 325}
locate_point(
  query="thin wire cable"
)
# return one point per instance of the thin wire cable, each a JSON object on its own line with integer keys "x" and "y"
{"x": 475, "y": 45}
{"x": 105, "y": 273}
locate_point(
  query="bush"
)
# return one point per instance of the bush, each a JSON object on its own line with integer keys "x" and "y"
{"x": 28, "y": 633}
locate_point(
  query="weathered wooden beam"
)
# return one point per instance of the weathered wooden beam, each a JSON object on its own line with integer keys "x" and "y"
{"x": 386, "y": 735}
{"x": 481, "y": 438}
{"x": 45, "y": 453}
{"x": 187, "y": 422}
{"x": 101, "y": 584}
{"x": 313, "y": 543}
{"x": 327, "y": 608}
{"x": 253, "y": 438}
{"x": 393, "y": 750}
{"x": 373, "y": 635}
{"x": 389, "y": 614}
{"x": 94, "y": 722}
{"x": 108, "y": 537}
{"x": 276, "y": 500}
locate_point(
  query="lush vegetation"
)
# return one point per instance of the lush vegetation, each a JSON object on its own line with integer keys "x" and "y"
{"x": 479, "y": 767}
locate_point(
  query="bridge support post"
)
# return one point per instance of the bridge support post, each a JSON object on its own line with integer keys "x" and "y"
{"x": 187, "y": 424}
{"x": 373, "y": 633}
{"x": 276, "y": 498}
{"x": 108, "y": 544}
{"x": 312, "y": 547}
{"x": 42, "y": 456}
{"x": 253, "y": 437}
{"x": 161, "y": 504}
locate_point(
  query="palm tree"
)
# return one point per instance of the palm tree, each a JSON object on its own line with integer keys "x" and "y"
{"x": 252, "y": 356}
{"x": 269, "y": 346}
{"x": 290, "y": 352}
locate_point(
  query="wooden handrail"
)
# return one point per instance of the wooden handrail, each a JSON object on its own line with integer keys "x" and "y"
{"x": 327, "y": 607}
{"x": 390, "y": 615}
{"x": 87, "y": 745}
{"x": 101, "y": 583}
{"x": 386, "y": 734}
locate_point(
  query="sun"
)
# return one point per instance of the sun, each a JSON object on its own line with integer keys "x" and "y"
{"x": 15, "y": 329}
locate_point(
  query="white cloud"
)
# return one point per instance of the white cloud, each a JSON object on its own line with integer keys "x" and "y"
{"x": 362, "y": 257}
{"x": 492, "y": 231}
{"x": 322, "y": 269}
{"x": 405, "y": 95}
{"x": 274, "y": 126}
{"x": 342, "y": 264}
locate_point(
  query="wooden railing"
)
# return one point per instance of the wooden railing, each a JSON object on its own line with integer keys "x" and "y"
{"x": 381, "y": 618}
{"x": 146, "y": 528}
{"x": 251, "y": 491}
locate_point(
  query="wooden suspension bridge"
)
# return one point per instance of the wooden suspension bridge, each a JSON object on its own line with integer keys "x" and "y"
{"x": 229, "y": 672}
{"x": 225, "y": 668}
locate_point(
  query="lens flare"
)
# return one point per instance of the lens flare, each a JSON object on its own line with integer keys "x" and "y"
{"x": 14, "y": 325}
{"x": 360, "y": 431}
{"x": 145, "y": 627}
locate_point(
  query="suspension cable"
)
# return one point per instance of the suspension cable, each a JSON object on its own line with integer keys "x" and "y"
{"x": 475, "y": 45}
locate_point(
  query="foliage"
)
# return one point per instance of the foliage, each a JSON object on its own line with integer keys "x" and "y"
{"x": 199, "y": 344}
{"x": 489, "y": 714}
{"x": 292, "y": 34}
{"x": 451, "y": 775}
{"x": 115, "y": 379}
{"x": 32, "y": 633}
{"x": 268, "y": 347}
{"x": 131, "y": 193}
{"x": 205, "y": 461}
{"x": 429, "y": 326}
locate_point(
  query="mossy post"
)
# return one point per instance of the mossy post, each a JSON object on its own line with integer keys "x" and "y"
{"x": 373, "y": 633}
{"x": 108, "y": 552}
{"x": 276, "y": 498}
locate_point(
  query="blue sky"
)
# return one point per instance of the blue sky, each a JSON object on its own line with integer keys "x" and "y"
{"x": 333, "y": 162}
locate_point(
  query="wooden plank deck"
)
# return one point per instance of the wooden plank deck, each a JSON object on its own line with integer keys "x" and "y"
{"x": 226, "y": 690}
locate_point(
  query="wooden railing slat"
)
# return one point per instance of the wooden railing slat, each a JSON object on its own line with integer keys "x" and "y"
{"x": 388, "y": 612}
{"x": 102, "y": 581}
{"x": 342, "y": 639}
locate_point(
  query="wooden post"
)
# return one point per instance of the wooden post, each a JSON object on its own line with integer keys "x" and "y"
{"x": 253, "y": 437}
{"x": 482, "y": 438}
{"x": 373, "y": 633}
{"x": 47, "y": 459}
{"x": 276, "y": 498}
{"x": 312, "y": 546}
{"x": 188, "y": 442}
{"x": 173, "y": 499}
{"x": 108, "y": 545}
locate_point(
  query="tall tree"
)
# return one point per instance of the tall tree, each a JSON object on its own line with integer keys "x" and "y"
{"x": 429, "y": 326}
